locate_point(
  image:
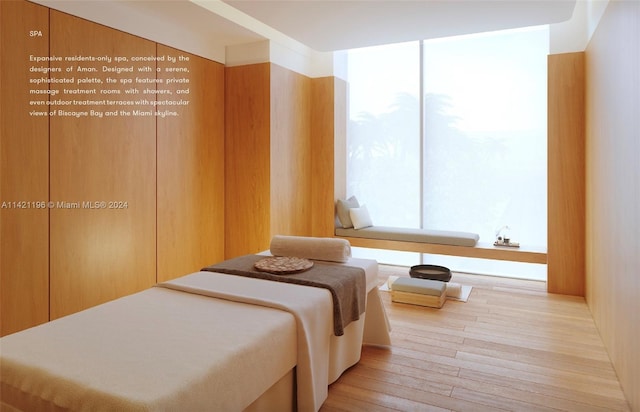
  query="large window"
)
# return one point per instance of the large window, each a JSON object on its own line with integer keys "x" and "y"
{"x": 384, "y": 132}
{"x": 451, "y": 134}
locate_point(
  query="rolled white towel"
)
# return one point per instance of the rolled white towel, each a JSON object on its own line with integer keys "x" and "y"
{"x": 390, "y": 280}
{"x": 315, "y": 248}
{"x": 454, "y": 290}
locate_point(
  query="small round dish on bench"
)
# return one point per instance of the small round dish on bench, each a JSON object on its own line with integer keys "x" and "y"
{"x": 432, "y": 272}
{"x": 283, "y": 265}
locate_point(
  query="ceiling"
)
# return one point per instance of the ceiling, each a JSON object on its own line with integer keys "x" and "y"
{"x": 206, "y": 27}
{"x": 330, "y": 25}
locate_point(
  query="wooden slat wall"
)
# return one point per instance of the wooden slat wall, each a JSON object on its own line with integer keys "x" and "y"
{"x": 24, "y": 171}
{"x": 268, "y": 156}
{"x": 328, "y": 160}
{"x": 191, "y": 169}
{"x": 290, "y": 177}
{"x": 247, "y": 159}
{"x": 340, "y": 116}
{"x": 613, "y": 189}
{"x": 100, "y": 254}
{"x": 566, "y": 175}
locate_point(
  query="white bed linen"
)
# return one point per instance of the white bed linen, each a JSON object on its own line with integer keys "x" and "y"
{"x": 109, "y": 337}
{"x": 312, "y": 308}
{"x": 372, "y": 328}
{"x": 327, "y": 363}
{"x": 155, "y": 350}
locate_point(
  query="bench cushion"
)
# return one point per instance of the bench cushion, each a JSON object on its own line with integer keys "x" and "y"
{"x": 442, "y": 237}
{"x": 419, "y": 286}
{"x": 423, "y": 292}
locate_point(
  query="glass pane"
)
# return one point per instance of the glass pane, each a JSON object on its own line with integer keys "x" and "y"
{"x": 383, "y": 138}
{"x": 485, "y": 134}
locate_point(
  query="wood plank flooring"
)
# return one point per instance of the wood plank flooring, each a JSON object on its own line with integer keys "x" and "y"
{"x": 511, "y": 347}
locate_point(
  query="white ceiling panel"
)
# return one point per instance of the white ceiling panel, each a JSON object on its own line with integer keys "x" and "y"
{"x": 330, "y": 25}
{"x": 206, "y": 27}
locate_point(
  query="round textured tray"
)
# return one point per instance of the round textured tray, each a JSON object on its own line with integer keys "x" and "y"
{"x": 433, "y": 272}
{"x": 283, "y": 265}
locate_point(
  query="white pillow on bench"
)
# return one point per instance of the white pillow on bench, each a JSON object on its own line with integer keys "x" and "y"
{"x": 360, "y": 217}
{"x": 342, "y": 210}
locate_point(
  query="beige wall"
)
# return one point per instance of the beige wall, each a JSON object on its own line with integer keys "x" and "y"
{"x": 613, "y": 188}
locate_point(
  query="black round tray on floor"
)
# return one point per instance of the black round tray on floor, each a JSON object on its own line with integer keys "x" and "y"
{"x": 433, "y": 272}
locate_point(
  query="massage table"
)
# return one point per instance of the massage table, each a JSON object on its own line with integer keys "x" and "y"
{"x": 204, "y": 341}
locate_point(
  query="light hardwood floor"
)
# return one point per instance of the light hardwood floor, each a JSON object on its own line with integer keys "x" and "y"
{"x": 512, "y": 346}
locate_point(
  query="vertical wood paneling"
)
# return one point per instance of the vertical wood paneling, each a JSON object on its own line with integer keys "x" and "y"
{"x": 340, "y": 116}
{"x": 290, "y": 177}
{"x": 268, "y": 152}
{"x": 566, "y": 175}
{"x": 247, "y": 159}
{"x": 24, "y": 170}
{"x": 101, "y": 254}
{"x": 191, "y": 169}
{"x": 328, "y": 162}
{"x": 613, "y": 189}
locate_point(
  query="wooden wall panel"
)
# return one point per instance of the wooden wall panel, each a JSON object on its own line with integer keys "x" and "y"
{"x": 268, "y": 156}
{"x": 340, "y": 122}
{"x": 613, "y": 189}
{"x": 328, "y": 162}
{"x": 247, "y": 159}
{"x": 100, "y": 254}
{"x": 24, "y": 171}
{"x": 291, "y": 182}
{"x": 566, "y": 175}
{"x": 191, "y": 169}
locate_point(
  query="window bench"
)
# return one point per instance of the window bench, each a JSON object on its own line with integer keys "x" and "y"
{"x": 437, "y": 242}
